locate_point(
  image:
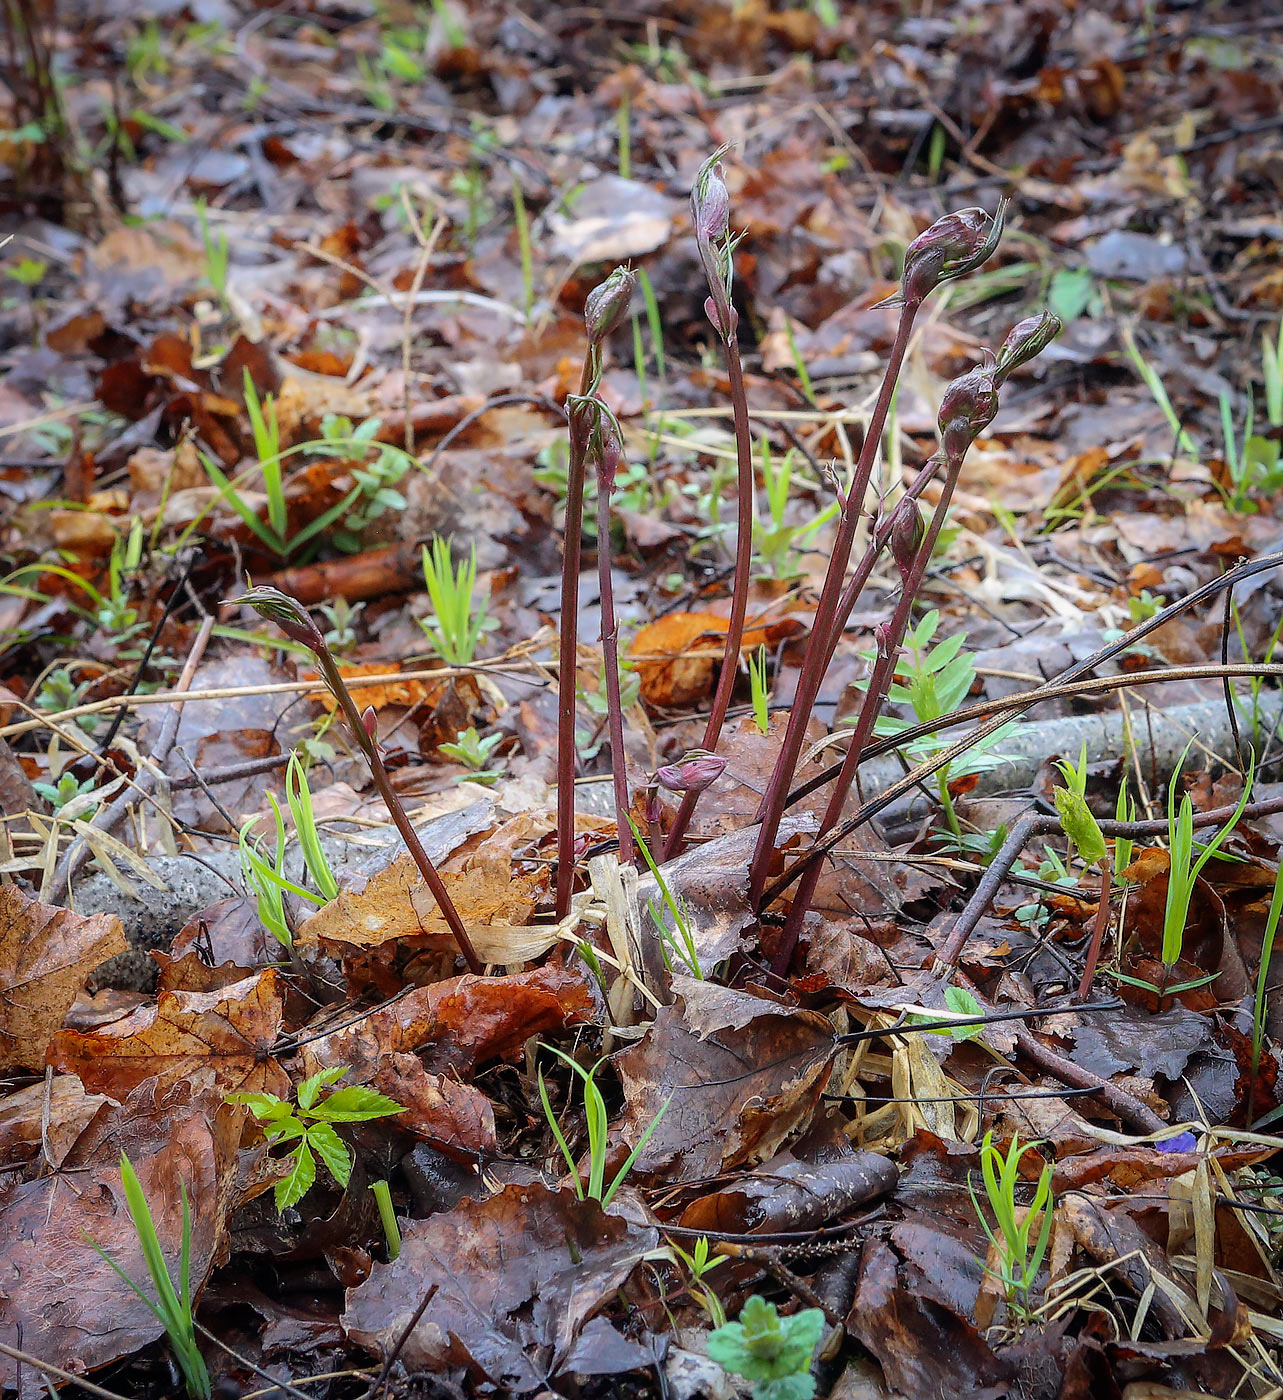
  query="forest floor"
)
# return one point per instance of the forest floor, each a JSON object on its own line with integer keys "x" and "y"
{"x": 981, "y": 1097}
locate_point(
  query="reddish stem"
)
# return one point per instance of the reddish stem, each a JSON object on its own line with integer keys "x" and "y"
{"x": 826, "y": 615}
{"x": 739, "y": 598}
{"x": 610, "y": 661}
{"x": 879, "y": 685}
{"x": 1098, "y": 928}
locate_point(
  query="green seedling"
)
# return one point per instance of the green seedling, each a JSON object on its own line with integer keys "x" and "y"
{"x": 774, "y": 540}
{"x": 759, "y": 688}
{"x": 1154, "y": 383}
{"x": 172, "y": 1307}
{"x": 1011, "y": 1233}
{"x": 773, "y": 1352}
{"x": 1251, "y": 703}
{"x": 933, "y": 682}
{"x": 1259, "y": 1005}
{"x": 679, "y": 941}
{"x": 59, "y": 692}
{"x": 387, "y": 1217}
{"x": 1253, "y": 465}
{"x": 68, "y": 797}
{"x": 309, "y": 1124}
{"x": 217, "y": 254}
{"x": 299, "y": 796}
{"x": 27, "y": 272}
{"x": 458, "y": 621}
{"x": 474, "y": 752}
{"x": 699, "y": 1266}
{"x": 523, "y": 246}
{"x": 595, "y": 1119}
{"x": 1124, "y": 811}
{"x": 267, "y": 878}
{"x": 342, "y": 616}
{"x": 376, "y": 481}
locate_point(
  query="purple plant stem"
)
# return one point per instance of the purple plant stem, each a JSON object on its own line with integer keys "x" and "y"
{"x": 739, "y": 596}
{"x": 826, "y": 614}
{"x": 569, "y": 655}
{"x": 610, "y": 661}
{"x": 879, "y": 684}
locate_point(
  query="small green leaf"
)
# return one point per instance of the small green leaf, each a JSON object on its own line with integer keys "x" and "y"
{"x": 332, "y": 1150}
{"x": 309, "y": 1088}
{"x": 961, "y": 1001}
{"x": 1080, "y": 825}
{"x": 355, "y": 1104}
{"x": 1070, "y": 291}
{"x": 291, "y": 1189}
{"x": 263, "y": 1105}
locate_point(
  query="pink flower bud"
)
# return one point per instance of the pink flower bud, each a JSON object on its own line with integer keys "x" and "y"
{"x": 908, "y": 530}
{"x": 371, "y": 721}
{"x": 953, "y": 246}
{"x": 1026, "y": 339}
{"x": 714, "y": 315}
{"x": 710, "y": 200}
{"x": 882, "y": 641}
{"x": 607, "y": 304}
{"x": 693, "y": 772}
{"x": 288, "y": 614}
{"x": 969, "y": 405}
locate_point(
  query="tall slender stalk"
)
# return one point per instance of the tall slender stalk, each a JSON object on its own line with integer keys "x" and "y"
{"x": 293, "y": 620}
{"x": 710, "y": 208}
{"x": 951, "y": 247}
{"x": 606, "y": 307}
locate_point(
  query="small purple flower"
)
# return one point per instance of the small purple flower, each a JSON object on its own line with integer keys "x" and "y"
{"x": 1182, "y": 1142}
{"x": 695, "y": 771}
{"x": 711, "y": 200}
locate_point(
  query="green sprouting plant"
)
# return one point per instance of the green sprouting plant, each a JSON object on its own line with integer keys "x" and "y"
{"x": 699, "y": 1266}
{"x": 458, "y": 622}
{"x": 595, "y": 702}
{"x": 267, "y": 877}
{"x": 1259, "y": 1003}
{"x": 595, "y": 1120}
{"x": 341, "y": 615}
{"x": 1080, "y": 826}
{"x": 1011, "y": 1234}
{"x": 59, "y": 692}
{"x": 27, "y": 272}
{"x": 679, "y": 941}
{"x": 1253, "y": 465}
{"x": 523, "y": 246}
{"x": 64, "y": 792}
{"x": 1154, "y": 383}
{"x": 377, "y": 481}
{"x": 773, "y": 539}
{"x": 171, "y": 1306}
{"x": 934, "y": 681}
{"x": 773, "y": 1352}
{"x": 632, "y": 485}
{"x": 387, "y": 1217}
{"x": 470, "y": 749}
{"x": 478, "y": 207}
{"x": 1051, "y": 871}
{"x": 799, "y": 364}
{"x": 217, "y": 253}
{"x": 1124, "y": 811}
{"x": 760, "y": 689}
{"x": 309, "y": 1124}
{"x": 1250, "y": 704}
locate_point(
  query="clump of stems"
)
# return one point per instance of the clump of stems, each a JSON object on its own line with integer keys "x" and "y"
{"x": 290, "y": 616}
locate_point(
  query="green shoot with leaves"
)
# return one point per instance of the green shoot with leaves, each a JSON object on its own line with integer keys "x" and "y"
{"x": 773, "y": 1352}
{"x": 470, "y": 749}
{"x": 759, "y": 688}
{"x": 387, "y": 1217}
{"x": 595, "y": 1119}
{"x": 1011, "y": 1231}
{"x": 679, "y": 941}
{"x": 171, "y": 1306}
{"x": 458, "y": 621}
{"x": 309, "y": 1124}
{"x": 699, "y": 1266}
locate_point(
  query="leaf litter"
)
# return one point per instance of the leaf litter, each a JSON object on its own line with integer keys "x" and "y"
{"x": 344, "y": 318}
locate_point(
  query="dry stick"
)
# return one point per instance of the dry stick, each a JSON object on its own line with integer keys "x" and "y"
{"x": 295, "y": 622}
{"x": 112, "y": 815}
{"x": 996, "y": 713}
{"x": 1098, "y": 928}
{"x": 47, "y": 1368}
{"x": 607, "y": 464}
{"x": 817, "y": 653}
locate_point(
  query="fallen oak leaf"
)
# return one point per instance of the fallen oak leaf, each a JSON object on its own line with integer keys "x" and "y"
{"x": 219, "y": 1040}
{"x": 676, "y": 655}
{"x": 46, "y": 955}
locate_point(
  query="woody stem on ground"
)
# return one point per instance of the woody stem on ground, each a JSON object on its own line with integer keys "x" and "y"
{"x": 294, "y": 621}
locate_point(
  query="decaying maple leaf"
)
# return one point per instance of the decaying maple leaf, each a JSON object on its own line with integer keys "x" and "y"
{"x": 45, "y": 956}
{"x": 220, "y": 1040}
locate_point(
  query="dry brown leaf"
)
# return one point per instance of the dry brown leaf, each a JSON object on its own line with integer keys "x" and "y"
{"x": 46, "y": 954}
{"x": 684, "y": 648}
{"x": 221, "y": 1040}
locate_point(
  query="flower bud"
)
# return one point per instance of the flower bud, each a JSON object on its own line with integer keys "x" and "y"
{"x": 370, "y": 719}
{"x": 693, "y": 772}
{"x": 714, "y": 315}
{"x": 969, "y": 405}
{"x": 1026, "y": 339}
{"x": 711, "y": 200}
{"x": 288, "y": 614}
{"x": 607, "y": 304}
{"x": 908, "y": 530}
{"x": 953, "y": 246}
{"x": 882, "y": 641}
